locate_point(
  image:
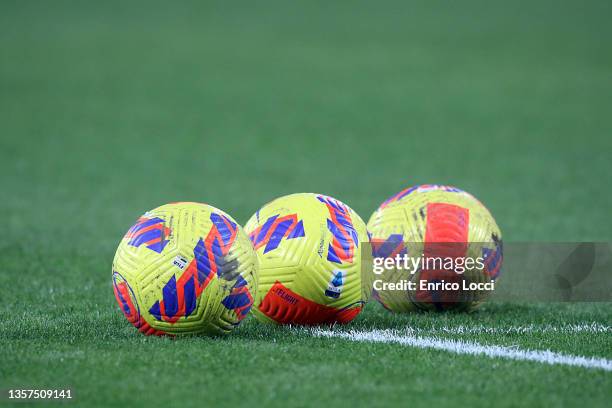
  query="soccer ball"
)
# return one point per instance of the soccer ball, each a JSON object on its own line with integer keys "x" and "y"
{"x": 429, "y": 221}
{"x": 185, "y": 268}
{"x": 308, "y": 247}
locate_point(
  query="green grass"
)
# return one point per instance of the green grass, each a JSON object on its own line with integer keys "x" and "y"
{"x": 108, "y": 109}
{"x": 105, "y": 361}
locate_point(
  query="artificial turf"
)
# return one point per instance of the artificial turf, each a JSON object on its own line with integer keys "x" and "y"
{"x": 108, "y": 109}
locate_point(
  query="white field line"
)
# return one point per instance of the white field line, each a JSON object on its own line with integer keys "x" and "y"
{"x": 467, "y": 347}
{"x": 528, "y": 329}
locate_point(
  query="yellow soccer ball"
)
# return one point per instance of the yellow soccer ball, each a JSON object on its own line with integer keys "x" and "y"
{"x": 185, "y": 268}
{"x": 436, "y": 222}
{"x": 309, "y": 251}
